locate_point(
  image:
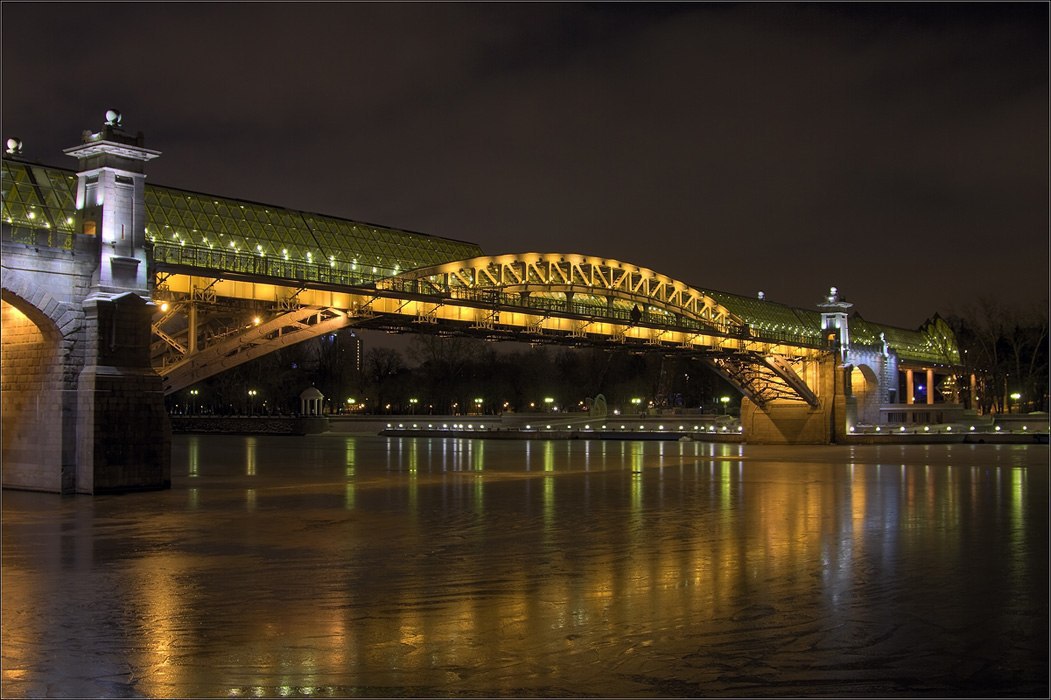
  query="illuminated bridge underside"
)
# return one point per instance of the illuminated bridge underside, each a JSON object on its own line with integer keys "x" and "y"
{"x": 764, "y": 378}
{"x": 569, "y": 300}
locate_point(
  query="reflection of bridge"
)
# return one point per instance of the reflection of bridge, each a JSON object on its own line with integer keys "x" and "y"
{"x": 95, "y": 259}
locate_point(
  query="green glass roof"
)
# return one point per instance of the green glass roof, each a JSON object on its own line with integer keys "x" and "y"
{"x": 36, "y": 196}
{"x": 771, "y": 316}
{"x": 39, "y": 198}
{"x": 934, "y": 343}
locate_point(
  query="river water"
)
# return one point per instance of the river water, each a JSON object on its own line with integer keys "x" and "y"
{"x": 339, "y": 565}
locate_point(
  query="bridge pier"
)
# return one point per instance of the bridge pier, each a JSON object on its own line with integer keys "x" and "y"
{"x": 124, "y": 437}
{"x": 83, "y": 410}
{"x": 785, "y": 422}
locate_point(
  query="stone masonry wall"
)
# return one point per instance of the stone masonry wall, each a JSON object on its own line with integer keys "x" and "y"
{"x": 125, "y": 438}
{"x": 31, "y": 387}
{"x": 48, "y": 285}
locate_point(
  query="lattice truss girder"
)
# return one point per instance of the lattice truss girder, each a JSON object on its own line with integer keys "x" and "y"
{"x": 488, "y": 314}
{"x": 222, "y": 313}
{"x": 249, "y": 341}
{"x": 764, "y": 378}
{"x": 566, "y": 274}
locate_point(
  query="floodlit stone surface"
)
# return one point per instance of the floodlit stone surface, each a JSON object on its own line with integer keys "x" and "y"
{"x": 338, "y": 565}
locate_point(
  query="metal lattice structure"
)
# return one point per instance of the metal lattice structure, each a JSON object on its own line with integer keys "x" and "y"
{"x": 236, "y": 279}
{"x": 579, "y": 279}
{"x": 764, "y": 378}
{"x": 39, "y": 204}
{"x": 206, "y": 232}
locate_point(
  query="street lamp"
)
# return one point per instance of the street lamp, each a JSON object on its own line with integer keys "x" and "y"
{"x": 724, "y": 401}
{"x": 193, "y": 400}
{"x": 412, "y": 405}
{"x": 478, "y": 405}
{"x": 636, "y": 402}
{"x": 251, "y": 401}
{"x": 1016, "y": 397}
{"x": 548, "y": 401}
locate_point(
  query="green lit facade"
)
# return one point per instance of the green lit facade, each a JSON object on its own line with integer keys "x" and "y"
{"x": 209, "y": 232}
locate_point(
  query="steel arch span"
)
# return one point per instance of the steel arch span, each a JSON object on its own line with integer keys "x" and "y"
{"x": 531, "y": 297}
{"x": 526, "y": 274}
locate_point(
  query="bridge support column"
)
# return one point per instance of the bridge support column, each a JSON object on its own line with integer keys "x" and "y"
{"x": 191, "y": 329}
{"x": 123, "y": 434}
{"x": 783, "y": 422}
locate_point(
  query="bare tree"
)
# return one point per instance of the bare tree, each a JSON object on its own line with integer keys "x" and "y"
{"x": 1007, "y": 348}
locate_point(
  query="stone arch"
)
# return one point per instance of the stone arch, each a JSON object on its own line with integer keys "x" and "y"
{"x": 38, "y": 444}
{"x": 864, "y": 386}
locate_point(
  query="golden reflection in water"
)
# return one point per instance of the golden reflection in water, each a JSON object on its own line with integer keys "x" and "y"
{"x": 193, "y": 446}
{"x": 1019, "y": 477}
{"x": 725, "y": 481}
{"x": 350, "y": 465}
{"x": 637, "y": 463}
{"x": 250, "y": 499}
{"x": 1019, "y": 480}
{"x": 681, "y": 567}
{"x": 250, "y": 447}
{"x": 414, "y": 483}
{"x": 549, "y": 455}
{"x": 549, "y": 487}
{"x": 157, "y": 618}
{"x": 414, "y": 463}
{"x": 479, "y": 482}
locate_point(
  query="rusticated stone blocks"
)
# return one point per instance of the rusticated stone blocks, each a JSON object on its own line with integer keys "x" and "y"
{"x": 124, "y": 439}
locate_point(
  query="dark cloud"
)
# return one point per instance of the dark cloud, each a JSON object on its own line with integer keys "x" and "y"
{"x": 898, "y": 150}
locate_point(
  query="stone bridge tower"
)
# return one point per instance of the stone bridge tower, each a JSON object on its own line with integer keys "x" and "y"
{"x": 83, "y": 409}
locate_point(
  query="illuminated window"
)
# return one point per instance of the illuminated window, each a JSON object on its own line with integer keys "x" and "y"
{"x": 89, "y": 228}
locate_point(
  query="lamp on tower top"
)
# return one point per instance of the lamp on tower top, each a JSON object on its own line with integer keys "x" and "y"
{"x": 111, "y": 206}
{"x": 834, "y": 320}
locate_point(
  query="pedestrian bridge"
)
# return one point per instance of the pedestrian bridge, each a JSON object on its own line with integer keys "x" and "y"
{"x": 117, "y": 291}
{"x": 537, "y": 298}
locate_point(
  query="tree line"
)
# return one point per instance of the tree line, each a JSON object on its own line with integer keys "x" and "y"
{"x": 1006, "y": 346}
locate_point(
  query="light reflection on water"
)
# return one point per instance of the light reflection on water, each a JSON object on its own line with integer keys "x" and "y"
{"x": 339, "y": 565}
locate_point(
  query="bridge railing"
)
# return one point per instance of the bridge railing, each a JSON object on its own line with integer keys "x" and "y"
{"x": 220, "y": 260}
{"x": 37, "y": 237}
{"x": 617, "y": 314}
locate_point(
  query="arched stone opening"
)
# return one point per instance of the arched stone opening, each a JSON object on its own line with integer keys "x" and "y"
{"x": 35, "y": 453}
{"x": 864, "y": 387}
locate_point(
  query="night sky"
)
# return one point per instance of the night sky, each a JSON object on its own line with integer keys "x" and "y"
{"x": 897, "y": 151}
